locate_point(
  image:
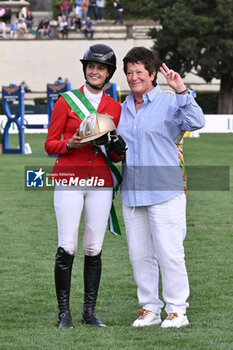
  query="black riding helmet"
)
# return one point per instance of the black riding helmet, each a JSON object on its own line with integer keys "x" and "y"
{"x": 103, "y": 54}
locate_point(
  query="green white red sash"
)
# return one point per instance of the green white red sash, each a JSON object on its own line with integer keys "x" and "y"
{"x": 83, "y": 107}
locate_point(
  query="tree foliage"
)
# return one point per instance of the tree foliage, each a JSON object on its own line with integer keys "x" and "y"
{"x": 132, "y": 9}
{"x": 197, "y": 34}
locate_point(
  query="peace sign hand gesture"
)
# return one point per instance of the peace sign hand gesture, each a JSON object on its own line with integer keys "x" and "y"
{"x": 173, "y": 78}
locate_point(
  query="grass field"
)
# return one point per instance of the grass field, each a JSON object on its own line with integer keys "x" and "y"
{"x": 28, "y": 245}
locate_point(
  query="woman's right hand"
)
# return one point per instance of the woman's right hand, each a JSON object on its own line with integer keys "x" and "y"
{"x": 74, "y": 142}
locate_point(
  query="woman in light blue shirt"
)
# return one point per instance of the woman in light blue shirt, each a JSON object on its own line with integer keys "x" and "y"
{"x": 154, "y": 203}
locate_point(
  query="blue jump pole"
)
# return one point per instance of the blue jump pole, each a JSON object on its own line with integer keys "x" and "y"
{"x": 9, "y": 94}
{"x": 111, "y": 90}
{"x": 53, "y": 91}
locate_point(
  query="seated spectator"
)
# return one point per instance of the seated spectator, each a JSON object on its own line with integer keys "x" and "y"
{"x": 77, "y": 23}
{"x": 2, "y": 12}
{"x": 22, "y": 28}
{"x": 23, "y": 13}
{"x": 63, "y": 26}
{"x": 7, "y": 15}
{"x": 71, "y": 20}
{"x": 53, "y": 25}
{"x": 29, "y": 20}
{"x": 14, "y": 30}
{"x": 2, "y": 29}
{"x": 74, "y": 22}
{"x": 88, "y": 29}
{"x": 44, "y": 29}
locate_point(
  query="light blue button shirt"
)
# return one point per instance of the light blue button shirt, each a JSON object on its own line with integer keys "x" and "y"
{"x": 151, "y": 171}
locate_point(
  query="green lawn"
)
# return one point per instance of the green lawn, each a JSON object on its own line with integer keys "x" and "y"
{"x": 28, "y": 237}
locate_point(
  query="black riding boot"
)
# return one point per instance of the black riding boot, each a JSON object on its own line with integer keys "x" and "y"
{"x": 92, "y": 273}
{"x": 63, "y": 268}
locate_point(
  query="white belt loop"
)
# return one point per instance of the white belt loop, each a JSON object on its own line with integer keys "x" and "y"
{"x": 132, "y": 212}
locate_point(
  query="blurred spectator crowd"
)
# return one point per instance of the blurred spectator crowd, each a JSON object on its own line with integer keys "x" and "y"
{"x": 79, "y": 18}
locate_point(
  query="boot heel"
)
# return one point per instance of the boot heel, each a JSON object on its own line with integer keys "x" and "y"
{"x": 89, "y": 317}
{"x": 65, "y": 320}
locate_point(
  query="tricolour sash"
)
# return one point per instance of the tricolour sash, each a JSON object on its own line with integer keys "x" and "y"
{"x": 83, "y": 107}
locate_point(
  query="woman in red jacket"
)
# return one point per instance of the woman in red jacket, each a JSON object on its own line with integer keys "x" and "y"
{"x": 82, "y": 161}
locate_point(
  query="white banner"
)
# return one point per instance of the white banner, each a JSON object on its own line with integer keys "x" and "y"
{"x": 218, "y": 123}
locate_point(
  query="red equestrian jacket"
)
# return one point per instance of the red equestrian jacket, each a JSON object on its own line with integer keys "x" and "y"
{"x": 83, "y": 163}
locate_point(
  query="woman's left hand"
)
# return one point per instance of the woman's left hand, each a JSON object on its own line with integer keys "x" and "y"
{"x": 173, "y": 78}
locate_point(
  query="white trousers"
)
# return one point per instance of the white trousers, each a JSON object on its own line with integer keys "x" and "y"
{"x": 155, "y": 236}
{"x": 69, "y": 204}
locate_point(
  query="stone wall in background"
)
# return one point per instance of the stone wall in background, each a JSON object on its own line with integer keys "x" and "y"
{"x": 46, "y": 60}
{"x": 41, "y": 5}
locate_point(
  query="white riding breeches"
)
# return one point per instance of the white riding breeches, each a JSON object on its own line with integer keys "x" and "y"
{"x": 155, "y": 236}
{"x": 69, "y": 204}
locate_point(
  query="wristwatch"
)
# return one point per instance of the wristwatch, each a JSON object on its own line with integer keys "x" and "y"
{"x": 68, "y": 146}
{"x": 184, "y": 92}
